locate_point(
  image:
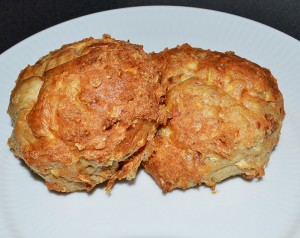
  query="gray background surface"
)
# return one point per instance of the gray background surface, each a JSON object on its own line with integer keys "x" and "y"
{"x": 20, "y": 19}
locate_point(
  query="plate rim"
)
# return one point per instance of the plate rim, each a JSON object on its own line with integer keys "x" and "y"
{"x": 151, "y": 7}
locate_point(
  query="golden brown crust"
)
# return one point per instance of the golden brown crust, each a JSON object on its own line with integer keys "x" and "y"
{"x": 83, "y": 109}
{"x": 226, "y": 115}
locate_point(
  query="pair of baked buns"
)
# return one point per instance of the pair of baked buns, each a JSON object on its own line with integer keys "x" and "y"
{"x": 94, "y": 110}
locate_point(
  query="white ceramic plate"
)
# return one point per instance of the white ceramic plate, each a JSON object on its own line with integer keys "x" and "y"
{"x": 266, "y": 208}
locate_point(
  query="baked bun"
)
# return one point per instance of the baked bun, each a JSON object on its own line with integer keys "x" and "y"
{"x": 225, "y": 119}
{"x": 82, "y": 113}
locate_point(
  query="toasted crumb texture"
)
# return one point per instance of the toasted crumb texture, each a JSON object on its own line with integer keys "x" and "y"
{"x": 82, "y": 113}
{"x": 225, "y": 115}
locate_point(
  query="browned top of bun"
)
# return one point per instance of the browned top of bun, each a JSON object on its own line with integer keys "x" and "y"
{"x": 94, "y": 100}
{"x": 224, "y": 111}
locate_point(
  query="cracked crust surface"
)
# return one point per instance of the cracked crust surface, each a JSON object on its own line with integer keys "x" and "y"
{"x": 82, "y": 112}
{"x": 225, "y": 115}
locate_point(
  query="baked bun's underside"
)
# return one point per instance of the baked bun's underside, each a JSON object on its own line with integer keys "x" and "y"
{"x": 82, "y": 113}
{"x": 225, "y": 115}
